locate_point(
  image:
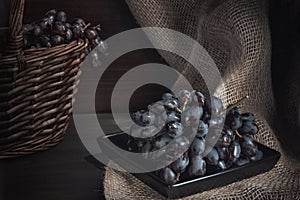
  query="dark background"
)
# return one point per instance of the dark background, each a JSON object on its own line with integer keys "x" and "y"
{"x": 63, "y": 172}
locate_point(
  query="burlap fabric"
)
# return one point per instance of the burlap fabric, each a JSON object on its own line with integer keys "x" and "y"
{"x": 236, "y": 34}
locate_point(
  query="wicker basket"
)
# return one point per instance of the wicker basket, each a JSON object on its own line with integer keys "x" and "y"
{"x": 36, "y": 90}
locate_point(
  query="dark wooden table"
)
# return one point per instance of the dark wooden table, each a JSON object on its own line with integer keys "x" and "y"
{"x": 60, "y": 173}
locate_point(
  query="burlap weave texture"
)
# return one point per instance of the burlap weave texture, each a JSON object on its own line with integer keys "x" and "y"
{"x": 236, "y": 34}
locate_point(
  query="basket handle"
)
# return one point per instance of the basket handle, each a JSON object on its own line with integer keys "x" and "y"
{"x": 15, "y": 33}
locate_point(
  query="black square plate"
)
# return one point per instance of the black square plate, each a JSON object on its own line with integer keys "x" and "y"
{"x": 213, "y": 179}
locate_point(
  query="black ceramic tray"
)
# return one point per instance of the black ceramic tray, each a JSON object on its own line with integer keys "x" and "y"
{"x": 213, "y": 179}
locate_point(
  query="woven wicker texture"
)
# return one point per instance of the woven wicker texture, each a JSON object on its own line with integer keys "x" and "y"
{"x": 36, "y": 90}
{"x": 236, "y": 34}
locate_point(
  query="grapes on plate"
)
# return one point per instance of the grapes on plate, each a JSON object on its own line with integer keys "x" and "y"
{"x": 168, "y": 124}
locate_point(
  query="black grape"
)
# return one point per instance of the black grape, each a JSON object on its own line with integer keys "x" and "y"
{"x": 248, "y": 117}
{"x": 233, "y": 120}
{"x": 234, "y": 151}
{"x": 248, "y": 128}
{"x": 162, "y": 141}
{"x": 212, "y": 158}
{"x": 197, "y": 166}
{"x": 249, "y": 148}
{"x": 175, "y": 129}
{"x": 168, "y": 176}
{"x": 61, "y": 16}
{"x": 198, "y": 146}
{"x": 198, "y": 97}
{"x": 202, "y": 129}
{"x": 180, "y": 164}
{"x": 258, "y": 156}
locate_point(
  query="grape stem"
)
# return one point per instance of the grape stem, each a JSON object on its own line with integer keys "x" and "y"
{"x": 237, "y": 103}
{"x": 178, "y": 110}
{"x": 184, "y": 104}
{"x": 178, "y": 176}
{"x": 237, "y": 134}
{"x": 86, "y": 26}
{"x": 183, "y": 107}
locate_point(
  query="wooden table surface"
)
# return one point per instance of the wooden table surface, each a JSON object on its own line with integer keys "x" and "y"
{"x": 60, "y": 173}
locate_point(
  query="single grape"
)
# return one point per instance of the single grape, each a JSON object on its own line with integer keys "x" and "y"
{"x": 197, "y": 166}
{"x": 212, "y": 158}
{"x": 248, "y": 128}
{"x": 77, "y": 31}
{"x": 180, "y": 164}
{"x": 214, "y": 105}
{"x": 147, "y": 118}
{"x": 68, "y": 35}
{"x": 59, "y": 28}
{"x": 233, "y": 120}
{"x": 249, "y": 148}
{"x": 198, "y": 97}
{"x": 162, "y": 141}
{"x": 57, "y": 40}
{"x": 61, "y": 16}
{"x": 171, "y": 105}
{"x": 248, "y": 117}
{"x": 44, "y": 41}
{"x": 175, "y": 129}
{"x": 44, "y": 25}
{"x": 202, "y": 129}
{"x": 37, "y": 31}
{"x": 258, "y": 156}
{"x": 91, "y": 34}
{"x": 168, "y": 176}
{"x": 225, "y": 138}
{"x": 235, "y": 151}
{"x": 197, "y": 147}
{"x": 27, "y": 28}
{"x": 223, "y": 165}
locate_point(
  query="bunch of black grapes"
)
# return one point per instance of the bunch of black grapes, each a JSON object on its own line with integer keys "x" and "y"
{"x": 54, "y": 29}
{"x": 175, "y": 115}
